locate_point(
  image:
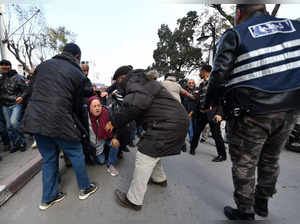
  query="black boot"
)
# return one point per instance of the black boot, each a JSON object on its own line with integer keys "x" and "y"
{"x": 192, "y": 151}
{"x": 261, "y": 206}
{"x": 235, "y": 214}
{"x": 219, "y": 159}
{"x": 183, "y": 149}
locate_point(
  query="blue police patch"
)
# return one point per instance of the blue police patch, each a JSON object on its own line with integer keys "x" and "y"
{"x": 271, "y": 27}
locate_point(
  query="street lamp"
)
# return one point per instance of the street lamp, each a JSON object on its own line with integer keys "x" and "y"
{"x": 204, "y": 37}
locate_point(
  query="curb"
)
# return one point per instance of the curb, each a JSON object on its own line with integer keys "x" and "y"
{"x": 13, "y": 183}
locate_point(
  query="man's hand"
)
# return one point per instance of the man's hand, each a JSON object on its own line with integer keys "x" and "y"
{"x": 104, "y": 94}
{"x": 115, "y": 143}
{"x": 109, "y": 127}
{"x": 190, "y": 115}
{"x": 19, "y": 100}
{"x": 218, "y": 118}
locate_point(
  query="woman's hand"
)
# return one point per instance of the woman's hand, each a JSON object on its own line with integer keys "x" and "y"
{"x": 115, "y": 143}
{"x": 109, "y": 127}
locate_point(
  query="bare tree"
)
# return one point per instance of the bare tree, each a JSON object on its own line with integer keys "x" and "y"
{"x": 230, "y": 18}
{"x": 29, "y": 38}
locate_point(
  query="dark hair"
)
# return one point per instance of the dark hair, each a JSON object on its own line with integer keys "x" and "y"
{"x": 249, "y": 9}
{"x": 72, "y": 49}
{"x": 5, "y": 62}
{"x": 207, "y": 68}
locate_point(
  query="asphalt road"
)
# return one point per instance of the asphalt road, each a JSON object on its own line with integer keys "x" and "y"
{"x": 197, "y": 192}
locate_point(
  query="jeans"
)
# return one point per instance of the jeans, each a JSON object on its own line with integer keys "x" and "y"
{"x": 12, "y": 115}
{"x": 73, "y": 150}
{"x": 112, "y": 157}
{"x": 191, "y": 129}
{"x": 3, "y": 130}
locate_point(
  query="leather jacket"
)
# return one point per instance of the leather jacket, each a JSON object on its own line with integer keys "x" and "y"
{"x": 253, "y": 101}
{"x": 12, "y": 86}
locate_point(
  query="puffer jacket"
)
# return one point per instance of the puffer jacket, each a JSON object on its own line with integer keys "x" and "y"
{"x": 164, "y": 119}
{"x": 12, "y": 86}
{"x": 56, "y": 95}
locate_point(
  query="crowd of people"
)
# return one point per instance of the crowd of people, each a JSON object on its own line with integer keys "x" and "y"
{"x": 253, "y": 84}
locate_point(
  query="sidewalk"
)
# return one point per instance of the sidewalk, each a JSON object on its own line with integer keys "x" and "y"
{"x": 16, "y": 169}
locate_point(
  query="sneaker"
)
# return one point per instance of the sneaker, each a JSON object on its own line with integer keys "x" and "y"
{"x": 112, "y": 170}
{"x": 22, "y": 147}
{"x": 84, "y": 194}
{"x": 34, "y": 145}
{"x": 162, "y": 184}
{"x": 60, "y": 196}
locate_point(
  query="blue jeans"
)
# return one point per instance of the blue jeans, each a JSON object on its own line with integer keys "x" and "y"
{"x": 12, "y": 116}
{"x": 191, "y": 129}
{"x": 73, "y": 150}
{"x": 3, "y": 130}
{"x": 112, "y": 157}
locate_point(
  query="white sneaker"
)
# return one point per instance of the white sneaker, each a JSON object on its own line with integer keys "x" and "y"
{"x": 112, "y": 170}
{"x": 34, "y": 145}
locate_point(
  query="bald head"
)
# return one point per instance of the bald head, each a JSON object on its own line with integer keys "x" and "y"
{"x": 85, "y": 68}
{"x": 244, "y": 11}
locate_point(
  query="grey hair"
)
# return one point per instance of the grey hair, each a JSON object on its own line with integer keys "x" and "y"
{"x": 152, "y": 74}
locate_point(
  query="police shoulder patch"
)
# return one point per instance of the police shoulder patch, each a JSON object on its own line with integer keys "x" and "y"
{"x": 271, "y": 27}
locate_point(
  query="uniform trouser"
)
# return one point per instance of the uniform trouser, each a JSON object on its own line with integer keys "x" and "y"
{"x": 256, "y": 141}
{"x": 201, "y": 122}
{"x": 145, "y": 167}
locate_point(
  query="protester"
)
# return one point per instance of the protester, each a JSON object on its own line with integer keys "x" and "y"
{"x": 202, "y": 117}
{"x": 189, "y": 104}
{"x": 56, "y": 91}
{"x": 12, "y": 90}
{"x": 116, "y": 95}
{"x": 256, "y": 71}
{"x": 99, "y": 137}
{"x": 165, "y": 125}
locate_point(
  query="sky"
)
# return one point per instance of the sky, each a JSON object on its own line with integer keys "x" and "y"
{"x": 115, "y": 33}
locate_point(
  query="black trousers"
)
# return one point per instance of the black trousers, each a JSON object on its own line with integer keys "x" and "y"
{"x": 201, "y": 122}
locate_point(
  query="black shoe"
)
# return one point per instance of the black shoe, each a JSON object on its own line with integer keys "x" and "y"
{"x": 192, "y": 151}
{"x": 202, "y": 140}
{"x": 84, "y": 194}
{"x": 183, "y": 149}
{"x": 124, "y": 202}
{"x": 261, "y": 207}
{"x": 60, "y": 196}
{"x": 23, "y": 148}
{"x": 7, "y": 148}
{"x": 219, "y": 159}
{"x": 14, "y": 149}
{"x": 162, "y": 184}
{"x": 235, "y": 214}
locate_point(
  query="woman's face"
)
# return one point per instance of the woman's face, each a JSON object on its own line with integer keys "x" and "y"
{"x": 96, "y": 108}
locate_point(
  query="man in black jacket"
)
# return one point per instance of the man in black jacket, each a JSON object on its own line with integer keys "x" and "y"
{"x": 52, "y": 116}
{"x": 203, "y": 117}
{"x": 12, "y": 88}
{"x": 165, "y": 123}
{"x": 256, "y": 70}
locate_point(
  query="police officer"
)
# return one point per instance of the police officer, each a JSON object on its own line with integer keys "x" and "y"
{"x": 256, "y": 69}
